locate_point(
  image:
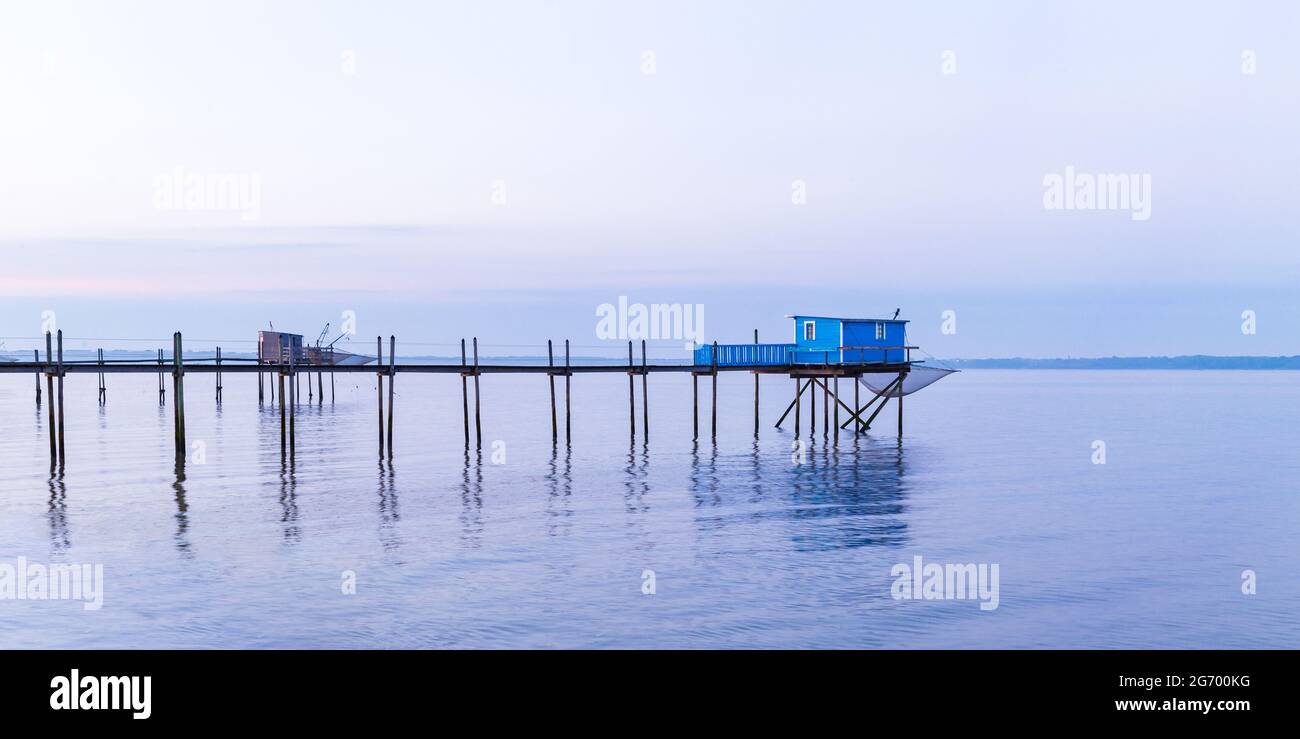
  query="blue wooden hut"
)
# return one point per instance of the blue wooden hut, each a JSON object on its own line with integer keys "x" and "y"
{"x": 821, "y": 340}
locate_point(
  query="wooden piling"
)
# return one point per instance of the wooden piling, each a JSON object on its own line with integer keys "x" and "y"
{"x": 379, "y": 378}
{"x": 568, "y": 374}
{"x": 550, "y": 375}
{"x": 103, "y": 385}
{"x": 756, "y": 385}
{"x": 826, "y": 409}
{"x": 857, "y": 429}
{"x": 37, "y": 359}
{"x": 283, "y": 421}
{"x": 715, "y": 390}
{"x": 320, "y": 386}
{"x": 162, "y": 388}
{"x": 62, "y": 456}
{"x": 798, "y": 390}
{"x": 49, "y": 393}
{"x": 812, "y": 410}
{"x": 392, "y": 373}
{"x": 837, "y": 409}
{"x": 294, "y": 391}
{"x": 464, "y": 390}
{"x": 218, "y": 375}
{"x": 645, "y": 394}
{"x": 901, "y": 378}
{"x": 478, "y": 419}
{"x": 695, "y": 403}
{"x": 631, "y": 400}
{"x": 260, "y": 392}
{"x": 178, "y": 392}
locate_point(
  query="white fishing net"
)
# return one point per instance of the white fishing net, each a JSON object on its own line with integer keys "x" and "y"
{"x": 919, "y": 377}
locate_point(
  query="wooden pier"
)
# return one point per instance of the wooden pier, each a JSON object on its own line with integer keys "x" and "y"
{"x": 757, "y": 359}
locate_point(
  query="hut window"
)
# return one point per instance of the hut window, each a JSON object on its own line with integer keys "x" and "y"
{"x": 880, "y": 331}
{"x": 809, "y": 331}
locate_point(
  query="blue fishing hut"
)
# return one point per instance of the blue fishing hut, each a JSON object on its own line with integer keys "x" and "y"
{"x": 821, "y": 340}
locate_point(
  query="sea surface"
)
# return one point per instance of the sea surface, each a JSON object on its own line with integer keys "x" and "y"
{"x": 742, "y": 543}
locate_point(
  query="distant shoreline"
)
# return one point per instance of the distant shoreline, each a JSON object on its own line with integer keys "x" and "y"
{"x": 1183, "y": 362}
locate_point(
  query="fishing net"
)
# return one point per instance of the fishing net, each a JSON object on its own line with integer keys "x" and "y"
{"x": 919, "y": 377}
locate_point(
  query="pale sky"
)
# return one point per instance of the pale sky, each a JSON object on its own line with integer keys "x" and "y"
{"x": 654, "y": 150}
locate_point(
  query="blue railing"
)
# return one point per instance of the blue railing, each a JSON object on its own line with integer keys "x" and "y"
{"x": 778, "y": 355}
{"x": 730, "y": 355}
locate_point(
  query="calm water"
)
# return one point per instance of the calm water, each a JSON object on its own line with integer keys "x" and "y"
{"x": 748, "y": 549}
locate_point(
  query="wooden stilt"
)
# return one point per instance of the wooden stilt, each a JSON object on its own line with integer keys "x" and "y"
{"x": 178, "y": 391}
{"x": 162, "y": 388}
{"x": 812, "y": 410}
{"x": 63, "y": 457}
{"x": 631, "y": 399}
{"x": 791, "y": 407}
{"x": 320, "y": 386}
{"x": 645, "y": 395}
{"x": 379, "y": 377}
{"x": 283, "y": 420}
{"x": 901, "y": 378}
{"x": 49, "y": 388}
{"x": 884, "y": 395}
{"x": 478, "y": 418}
{"x": 755, "y": 390}
{"x": 464, "y": 390}
{"x": 714, "y": 424}
{"x": 856, "y": 429}
{"x": 218, "y": 375}
{"x": 294, "y": 391}
{"x": 260, "y": 392}
{"x": 37, "y": 359}
{"x": 857, "y": 416}
{"x": 392, "y": 375}
{"x": 568, "y": 437}
{"x": 798, "y": 390}
{"x": 550, "y": 375}
{"x": 837, "y": 410}
{"x": 331, "y": 375}
{"x": 695, "y": 403}
{"x": 826, "y": 409}
{"x": 103, "y": 387}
